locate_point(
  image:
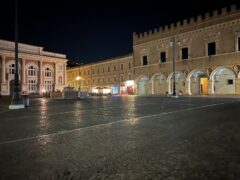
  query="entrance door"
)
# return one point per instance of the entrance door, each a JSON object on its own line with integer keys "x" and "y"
{"x": 204, "y": 85}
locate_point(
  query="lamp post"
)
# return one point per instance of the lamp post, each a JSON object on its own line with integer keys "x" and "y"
{"x": 174, "y": 67}
{"x": 79, "y": 79}
{"x": 16, "y": 102}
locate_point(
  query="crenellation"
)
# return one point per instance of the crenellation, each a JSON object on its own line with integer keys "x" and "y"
{"x": 189, "y": 22}
{"x": 179, "y": 24}
{"x": 233, "y": 8}
{"x": 224, "y": 11}
{"x": 192, "y": 20}
{"x": 215, "y": 13}
{"x": 207, "y": 15}
{"x": 199, "y": 18}
{"x": 185, "y": 22}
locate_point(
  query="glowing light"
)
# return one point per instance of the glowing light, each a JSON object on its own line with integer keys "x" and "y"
{"x": 44, "y": 90}
{"x": 129, "y": 83}
{"x": 78, "y": 78}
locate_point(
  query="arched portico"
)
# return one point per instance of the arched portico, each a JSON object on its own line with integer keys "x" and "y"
{"x": 223, "y": 81}
{"x": 142, "y": 85}
{"x": 159, "y": 83}
{"x": 197, "y": 82}
{"x": 179, "y": 82}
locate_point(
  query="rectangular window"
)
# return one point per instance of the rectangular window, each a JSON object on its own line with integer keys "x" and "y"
{"x": 98, "y": 71}
{"x": 103, "y": 70}
{"x": 88, "y": 72}
{"x": 93, "y": 72}
{"x": 230, "y": 81}
{"x": 239, "y": 44}
{"x": 129, "y": 77}
{"x": 115, "y": 68}
{"x": 211, "y": 48}
{"x": 121, "y": 66}
{"x": 121, "y": 78}
{"x": 163, "y": 57}
{"x": 144, "y": 60}
{"x": 108, "y": 69}
{"x": 129, "y": 65}
{"x": 185, "y": 53}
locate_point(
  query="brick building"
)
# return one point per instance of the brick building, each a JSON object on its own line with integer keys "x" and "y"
{"x": 206, "y": 50}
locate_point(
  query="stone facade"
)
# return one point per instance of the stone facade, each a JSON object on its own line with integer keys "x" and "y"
{"x": 39, "y": 71}
{"x": 110, "y": 76}
{"x": 206, "y": 53}
{"x": 205, "y": 49}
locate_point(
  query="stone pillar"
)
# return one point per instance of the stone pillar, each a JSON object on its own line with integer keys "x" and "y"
{"x": 210, "y": 87}
{"x": 64, "y": 74}
{"x": 188, "y": 87}
{"x": 3, "y": 70}
{"x": 237, "y": 86}
{"x": 55, "y": 76}
{"x": 23, "y": 72}
{"x": 40, "y": 79}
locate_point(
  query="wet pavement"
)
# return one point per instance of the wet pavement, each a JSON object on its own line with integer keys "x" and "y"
{"x": 127, "y": 137}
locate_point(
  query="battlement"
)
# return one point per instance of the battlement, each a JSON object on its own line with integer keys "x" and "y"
{"x": 186, "y": 23}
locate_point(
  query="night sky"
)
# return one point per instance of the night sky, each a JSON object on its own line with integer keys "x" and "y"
{"x": 90, "y": 31}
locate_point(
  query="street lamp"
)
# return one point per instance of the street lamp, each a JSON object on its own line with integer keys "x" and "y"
{"x": 16, "y": 102}
{"x": 174, "y": 79}
{"x": 79, "y": 79}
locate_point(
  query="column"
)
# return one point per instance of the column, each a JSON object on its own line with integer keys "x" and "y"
{"x": 40, "y": 75}
{"x": 23, "y": 78}
{"x": 3, "y": 70}
{"x": 55, "y": 76}
{"x": 65, "y": 74}
{"x": 211, "y": 87}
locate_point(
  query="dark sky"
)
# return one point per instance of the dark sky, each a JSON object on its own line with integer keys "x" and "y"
{"x": 89, "y": 31}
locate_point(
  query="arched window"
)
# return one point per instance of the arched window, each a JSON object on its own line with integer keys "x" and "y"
{"x": 31, "y": 71}
{"x": 60, "y": 80}
{"x": 11, "y": 68}
{"x": 48, "y": 72}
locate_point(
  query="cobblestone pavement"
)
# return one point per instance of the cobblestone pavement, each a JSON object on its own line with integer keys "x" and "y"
{"x": 122, "y": 138}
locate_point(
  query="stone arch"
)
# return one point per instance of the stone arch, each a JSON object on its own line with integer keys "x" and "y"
{"x": 142, "y": 85}
{"x": 223, "y": 81}
{"x": 197, "y": 82}
{"x": 180, "y": 80}
{"x": 159, "y": 83}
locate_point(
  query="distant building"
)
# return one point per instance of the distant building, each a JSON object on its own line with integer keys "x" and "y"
{"x": 40, "y": 71}
{"x": 112, "y": 76}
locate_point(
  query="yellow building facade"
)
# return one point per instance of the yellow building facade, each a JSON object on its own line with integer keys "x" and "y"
{"x": 112, "y": 76}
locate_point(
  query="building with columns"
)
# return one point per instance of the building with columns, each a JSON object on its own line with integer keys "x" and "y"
{"x": 39, "y": 71}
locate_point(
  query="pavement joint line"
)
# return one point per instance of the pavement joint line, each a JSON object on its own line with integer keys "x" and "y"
{"x": 108, "y": 124}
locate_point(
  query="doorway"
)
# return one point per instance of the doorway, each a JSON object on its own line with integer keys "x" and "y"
{"x": 204, "y": 85}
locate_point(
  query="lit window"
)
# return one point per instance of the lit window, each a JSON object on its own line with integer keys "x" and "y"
{"x": 32, "y": 85}
{"x": 48, "y": 72}
{"x": 11, "y": 68}
{"x": 31, "y": 71}
{"x": 48, "y": 86}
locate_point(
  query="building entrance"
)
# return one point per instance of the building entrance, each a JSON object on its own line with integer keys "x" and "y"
{"x": 204, "y": 85}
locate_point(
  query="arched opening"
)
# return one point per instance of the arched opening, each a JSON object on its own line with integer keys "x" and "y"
{"x": 197, "y": 82}
{"x": 142, "y": 84}
{"x": 223, "y": 81}
{"x": 179, "y": 82}
{"x": 159, "y": 84}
